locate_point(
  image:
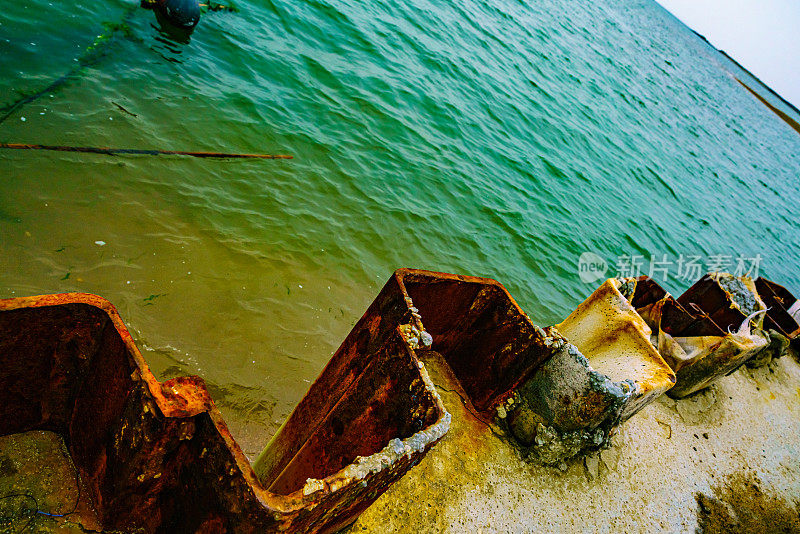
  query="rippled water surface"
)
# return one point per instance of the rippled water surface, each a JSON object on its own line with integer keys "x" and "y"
{"x": 497, "y": 138}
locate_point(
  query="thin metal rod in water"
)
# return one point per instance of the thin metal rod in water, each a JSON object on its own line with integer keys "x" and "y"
{"x": 114, "y": 151}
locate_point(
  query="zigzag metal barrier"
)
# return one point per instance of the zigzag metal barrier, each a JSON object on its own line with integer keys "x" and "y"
{"x": 158, "y": 457}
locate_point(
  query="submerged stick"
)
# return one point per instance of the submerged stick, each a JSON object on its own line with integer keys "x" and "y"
{"x": 93, "y": 53}
{"x": 146, "y": 152}
{"x": 11, "y": 108}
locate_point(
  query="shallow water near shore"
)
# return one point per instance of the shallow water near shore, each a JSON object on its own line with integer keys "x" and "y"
{"x": 499, "y": 140}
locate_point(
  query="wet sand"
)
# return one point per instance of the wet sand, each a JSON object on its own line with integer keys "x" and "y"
{"x": 724, "y": 458}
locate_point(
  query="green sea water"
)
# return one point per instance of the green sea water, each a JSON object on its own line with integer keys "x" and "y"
{"x": 500, "y": 139}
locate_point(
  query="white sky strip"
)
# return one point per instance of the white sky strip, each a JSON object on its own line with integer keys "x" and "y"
{"x": 762, "y": 35}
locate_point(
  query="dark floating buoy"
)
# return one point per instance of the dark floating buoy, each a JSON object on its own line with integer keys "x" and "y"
{"x": 180, "y": 13}
{"x": 176, "y": 17}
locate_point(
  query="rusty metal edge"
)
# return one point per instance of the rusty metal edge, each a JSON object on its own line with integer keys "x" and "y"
{"x": 402, "y": 272}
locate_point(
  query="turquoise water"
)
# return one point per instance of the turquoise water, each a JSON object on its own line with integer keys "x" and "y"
{"x": 497, "y": 139}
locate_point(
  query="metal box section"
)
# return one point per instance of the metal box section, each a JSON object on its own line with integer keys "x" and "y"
{"x": 733, "y": 304}
{"x": 487, "y": 340}
{"x": 603, "y": 370}
{"x": 728, "y": 300}
{"x": 158, "y": 457}
{"x": 616, "y": 342}
{"x": 783, "y": 310}
{"x": 708, "y": 332}
{"x": 489, "y": 343}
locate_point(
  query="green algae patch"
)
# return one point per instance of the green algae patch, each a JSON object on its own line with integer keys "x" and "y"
{"x": 39, "y": 487}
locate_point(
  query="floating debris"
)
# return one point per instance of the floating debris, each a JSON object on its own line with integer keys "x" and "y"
{"x": 122, "y": 109}
{"x": 140, "y": 151}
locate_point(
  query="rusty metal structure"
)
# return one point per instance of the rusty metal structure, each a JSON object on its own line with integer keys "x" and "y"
{"x": 602, "y": 370}
{"x": 783, "y": 310}
{"x": 708, "y": 332}
{"x": 158, "y": 457}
